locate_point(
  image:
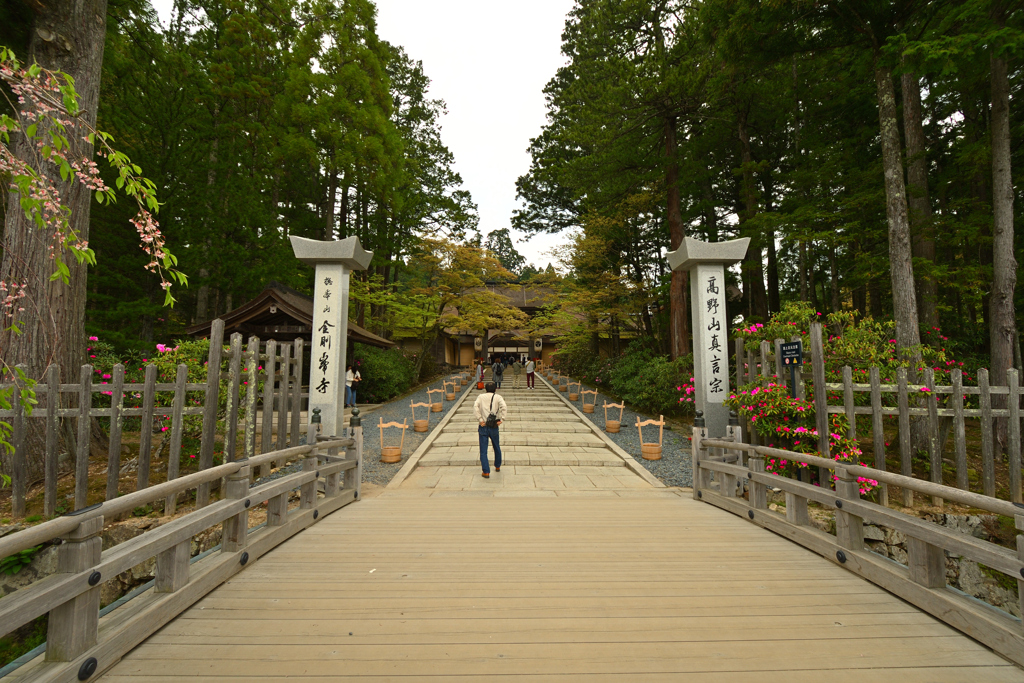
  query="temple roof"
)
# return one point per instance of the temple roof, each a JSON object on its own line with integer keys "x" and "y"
{"x": 282, "y": 314}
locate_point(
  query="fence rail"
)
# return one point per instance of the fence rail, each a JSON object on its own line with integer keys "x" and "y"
{"x": 913, "y": 401}
{"x": 720, "y": 475}
{"x": 80, "y": 645}
{"x": 282, "y": 388}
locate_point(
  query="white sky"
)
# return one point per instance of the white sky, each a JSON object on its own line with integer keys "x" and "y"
{"x": 489, "y": 61}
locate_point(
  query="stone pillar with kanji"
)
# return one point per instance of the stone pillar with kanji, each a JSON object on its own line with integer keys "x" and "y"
{"x": 333, "y": 261}
{"x": 706, "y": 264}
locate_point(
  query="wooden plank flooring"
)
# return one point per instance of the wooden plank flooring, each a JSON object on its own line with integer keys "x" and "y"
{"x": 551, "y": 589}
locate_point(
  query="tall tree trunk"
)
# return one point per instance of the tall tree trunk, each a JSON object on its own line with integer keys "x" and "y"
{"x": 753, "y": 264}
{"x": 901, "y": 267}
{"x": 710, "y": 215}
{"x": 332, "y": 197}
{"x": 69, "y": 36}
{"x": 922, "y": 236}
{"x": 803, "y": 270}
{"x": 343, "y": 230}
{"x": 679, "y": 325}
{"x": 834, "y": 267}
{"x": 1001, "y": 318}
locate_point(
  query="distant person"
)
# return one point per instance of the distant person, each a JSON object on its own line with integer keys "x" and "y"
{"x": 530, "y": 367}
{"x": 517, "y": 370}
{"x": 490, "y": 411}
{"x": 480, "y": 371}
{"x": 352, "y": 377}
{"x": 497, "y": 371}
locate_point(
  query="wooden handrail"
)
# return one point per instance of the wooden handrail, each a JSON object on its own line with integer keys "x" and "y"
{"x": 977, "y": 500}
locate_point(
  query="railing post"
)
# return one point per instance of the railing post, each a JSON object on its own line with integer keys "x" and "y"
{"x": 236, "y": 529}
{"x": 758, "y": 491}
{"x": 307, "y": 492}
{"x": 927, "y": 563}
{"x": 1019, "y": 520}
{"x": 172, "y": 567}
{"x": 354, "y": 476}
{"x": 796, "y": 510}
{"x": 849, "y": 527}
{"x": 698, "y": 434}
{"x": 74, "y": 626}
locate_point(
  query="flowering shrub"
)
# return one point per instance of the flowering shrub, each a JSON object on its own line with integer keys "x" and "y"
{"x": 788, "y": 423}
{"x": 191, "y": 353}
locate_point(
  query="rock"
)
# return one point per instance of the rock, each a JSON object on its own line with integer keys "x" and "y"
{"x": 10, "y": 529}
{"x": 878, "y": 547}
{"x": 873, "y": 533}
{"x": 42, "y": 565}
{"x": 975, "y": 582}
{"x": 899, "y": 554}
{"x": 895, "y": 538}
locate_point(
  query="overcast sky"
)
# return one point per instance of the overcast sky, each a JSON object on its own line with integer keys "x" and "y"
{"x": 489, "y": 61}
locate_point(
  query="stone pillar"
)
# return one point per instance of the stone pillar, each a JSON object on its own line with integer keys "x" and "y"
{"x": 706, "y": 263}
{"x": 334, "y": 261}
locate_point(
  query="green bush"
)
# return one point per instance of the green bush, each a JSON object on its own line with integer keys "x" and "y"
{"x": 386, "y": 373}
{"x": 651, "y": 382}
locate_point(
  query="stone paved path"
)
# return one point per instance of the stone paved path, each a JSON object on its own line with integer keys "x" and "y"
{"x": 548, "y": 450}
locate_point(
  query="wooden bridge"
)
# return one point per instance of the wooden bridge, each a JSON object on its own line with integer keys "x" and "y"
{"x": 572, "y": 563}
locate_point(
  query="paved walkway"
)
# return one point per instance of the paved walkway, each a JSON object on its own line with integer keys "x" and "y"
{"x": 548, "y": 449}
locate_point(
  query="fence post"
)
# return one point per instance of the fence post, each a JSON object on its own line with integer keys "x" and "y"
{"x": 267, "y": 426}
{"x": 906, "y": 463}
{"x": 697, "y": 435}
{"x": 758, "y": 491}
{"x": 959, "y": 435}
{"x": 927, "y": 563}
{"x": 988, "y": 469}
{"x": 84, "y": 429}
{"x": 146, "y": 436}
{"x": 231, "y": 409}
{"x": 878, "y": 432}
{"x": 801, "y": 392}
{"x": 740, "y": 374}
{"x": 74, "y": 625}
{"x": 52, "y": 435}
{"x": 848, "y": 407}
{"x": 765, "y": 346}
{"x": 820, "y": 397}
{"x": 252, "y": 360}
{"x": 116, "y": 425}
{"x": 282, "y": 398}
{"x": 849, "y": 527}
{"x": 780, "y": 374}
{"x": 210, "y": 406}
{"x": 297, "y": 358}
{"x": 177, "y": 419}
{"x": 19, "y": 469}
{"x": 934, "y": 452}
{"x": 236, "y": 529}
{"x": 354, "y": 476}
{"x": 1013, "y": 435}
{"x": 1019, "y": 522}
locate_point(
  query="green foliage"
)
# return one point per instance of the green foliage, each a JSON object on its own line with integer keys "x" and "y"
{"x": 386, "y": 373}
{"x": 23, "y": 640}
{"x": 12, "y": 564}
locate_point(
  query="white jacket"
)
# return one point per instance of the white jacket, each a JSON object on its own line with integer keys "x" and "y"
{"x": 482, "y": 408}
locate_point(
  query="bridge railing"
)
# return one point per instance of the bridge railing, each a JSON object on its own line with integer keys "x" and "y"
{"x": 722, "y": 468}
{"x": 80, "y": 644}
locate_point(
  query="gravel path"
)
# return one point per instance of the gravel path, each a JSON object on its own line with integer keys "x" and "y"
{"x": 674, "y": 468}
{"x": 398, "y": 410}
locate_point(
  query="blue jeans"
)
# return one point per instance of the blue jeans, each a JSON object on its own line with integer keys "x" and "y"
{"x": 497, "y": 380}
{"x": 492, "y": 434}
{"x": 350, "y": 395}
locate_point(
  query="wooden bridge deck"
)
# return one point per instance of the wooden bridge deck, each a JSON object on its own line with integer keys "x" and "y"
{"x": 551, "y": 589}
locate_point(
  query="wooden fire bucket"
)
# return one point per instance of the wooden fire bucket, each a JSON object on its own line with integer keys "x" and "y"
{"x": 613, "y": 425}
{"x": 449, "y": 391}
{"x": 435, "y": 405}
{"x": 420, "y": 425}
{"x": 574, "y": 395}
{"x": 651, "y": 451}
{"x": 392, "y": 454}
{"x": 589, "y": 407}
{"x": 564, "y": 388}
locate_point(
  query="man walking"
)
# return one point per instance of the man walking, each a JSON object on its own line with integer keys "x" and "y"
{"x": 517, "y": 369}
{"x": 490, "y": 411}
{"x": 530, "y": 367}
{"x": 497, "y": 370}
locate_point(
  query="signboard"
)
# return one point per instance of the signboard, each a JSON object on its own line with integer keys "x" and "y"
{"x": 792, "y": 353}
{"x": 711, "y": 333}
{"x": 330, "y": 337}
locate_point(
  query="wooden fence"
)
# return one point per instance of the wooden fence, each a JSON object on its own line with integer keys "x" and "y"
{"x": 281, "y": 375}
{"x": 80, "y": 644}
{"x": 940, "y": 406}
{"x": 922, "y": 582}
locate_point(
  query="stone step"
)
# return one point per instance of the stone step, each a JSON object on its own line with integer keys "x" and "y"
{"x": 558, "y": 440}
